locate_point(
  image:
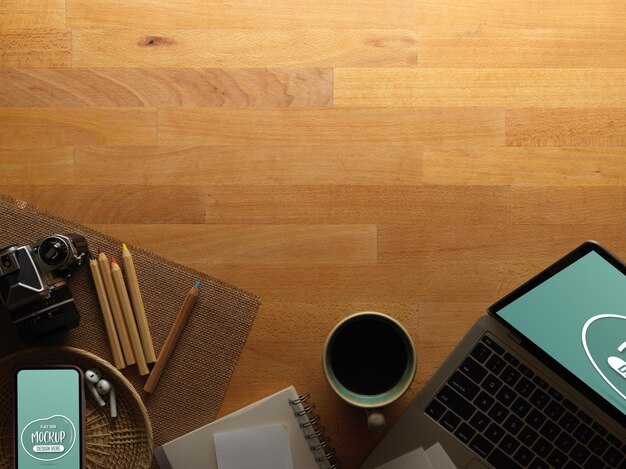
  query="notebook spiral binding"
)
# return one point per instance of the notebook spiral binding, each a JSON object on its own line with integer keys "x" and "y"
{"x": 314, "y": 433}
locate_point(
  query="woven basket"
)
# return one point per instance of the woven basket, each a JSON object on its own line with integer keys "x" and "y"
{"x": 121, "y": 442}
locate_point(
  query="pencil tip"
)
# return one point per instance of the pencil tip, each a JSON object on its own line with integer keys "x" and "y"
{"x": 124, "y": 247}
{"x": 113, "y": 260}
{"x": 197, "y": 283}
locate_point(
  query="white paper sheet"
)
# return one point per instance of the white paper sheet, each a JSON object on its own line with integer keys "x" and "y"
{"x": 415, "y": 459}
{"x": 264, "y": 447}
{"x": 434, "y": 457}
{"x": 438, "y": 457}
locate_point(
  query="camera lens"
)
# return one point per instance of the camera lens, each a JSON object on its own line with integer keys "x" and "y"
{"x": 53, "y": 251}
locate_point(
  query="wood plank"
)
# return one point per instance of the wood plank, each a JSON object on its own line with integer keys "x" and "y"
{"x": 408, "y": 243}
{"x": 36, "y": 166}
{"x": 458, "y": 316}
{"x": 127, "y": 87}
{"x": 254, "y": 244}
{"x": 575, "y": 14}
{"x": 358, "y": 204}
{"x": 244, "y": 48}
{"x": 515, "y": 271}
{"x": 116, "y": 204}
{"x": 296, "y": 314}
{"x": 421, "y": 281}
{"x": 547, "y": 243}
{"x": 31, "y": 14}
{"x": 398, "y": 126}
{"x": 582, "y": 127}
{"x": 36, "y": 48}
{"x": 567, "y": 205}
{"x": 435, "y": 346}
{"x": 523, "y": 166}
{"x": 255, "y": 14}
{"x": 251, "y": 164}
{"x": 36, "y": 127}
{"x": 489, "y": 47}
{"x": 363, "y": 87}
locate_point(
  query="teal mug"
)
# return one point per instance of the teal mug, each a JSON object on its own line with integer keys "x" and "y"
{"x": 369, "y": 361}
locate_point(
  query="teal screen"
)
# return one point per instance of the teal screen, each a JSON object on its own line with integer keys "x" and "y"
{"x": 48, "y": 419}
{"x": 578, "y": 317}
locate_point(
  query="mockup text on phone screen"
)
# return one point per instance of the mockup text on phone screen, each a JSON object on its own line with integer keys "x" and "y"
{"x": 48, "y": 433}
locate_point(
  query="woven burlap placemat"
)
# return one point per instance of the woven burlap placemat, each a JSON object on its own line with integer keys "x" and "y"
{"x": 194, "y": 383}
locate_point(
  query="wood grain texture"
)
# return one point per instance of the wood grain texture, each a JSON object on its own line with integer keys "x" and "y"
{"x": 415, "y": 157}
{"x": 358, "y": 204}
{"x": 36, "y": 48}
{"x": 489, "y": 47}
{"x": 515, "y": 271}
{"x": 359, "y": 87}
{"x": 547, "y": 242}
{"x": 244, "y": 48}
{"x": 31, "y": 14}
{"x": 525, "y": 166}
{"x": 116, "y": 204}
{"x": 36, "y": 165}
{"x": 253, "y": 165}
{"x": 586, "y": 127}
{"x": 574, "y": 14}
{"x": 123, "y": 87}
{"x": 420, "y": 281}
{"x": 331, "y": 126}
{"x": 404, "y": 244}
{"x": 48, "y": 127}
{"x": 255, "y": 14}
{"x": 254, "y": 244}
{"x": 568, "y": 205}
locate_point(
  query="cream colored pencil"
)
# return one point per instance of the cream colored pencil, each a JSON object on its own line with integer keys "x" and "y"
{"x": 140, "y": 312}
{"x": 114, "y": 341}
{"x": 172, "y": 338}
{"x": 129, "y": 317}
{"x": 105, "y": 270}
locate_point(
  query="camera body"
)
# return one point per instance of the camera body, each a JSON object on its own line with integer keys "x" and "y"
{"x": 33, "y": 284}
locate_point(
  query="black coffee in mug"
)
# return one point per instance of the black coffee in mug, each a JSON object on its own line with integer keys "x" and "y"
{"x": 369, "y": 355}
{"x": 369, "y": 360}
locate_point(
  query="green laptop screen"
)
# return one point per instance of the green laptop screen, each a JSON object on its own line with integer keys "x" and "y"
{"x": 578, "y": 317}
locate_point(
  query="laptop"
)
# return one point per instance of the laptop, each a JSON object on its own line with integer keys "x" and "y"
{"x": 538, "y": 382}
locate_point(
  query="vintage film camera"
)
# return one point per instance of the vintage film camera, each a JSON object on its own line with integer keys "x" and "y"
{"x": 33, "y": 286}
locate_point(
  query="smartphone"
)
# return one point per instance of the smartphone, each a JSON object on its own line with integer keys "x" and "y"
{"x": 49, "y": 418}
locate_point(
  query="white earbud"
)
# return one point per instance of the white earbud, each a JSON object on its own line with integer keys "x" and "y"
{"x": 104, "y": 387}
{"x": 91, "y": 378}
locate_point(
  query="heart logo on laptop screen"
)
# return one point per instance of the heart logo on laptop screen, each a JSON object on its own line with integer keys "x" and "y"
{"x": 604, "y": 337}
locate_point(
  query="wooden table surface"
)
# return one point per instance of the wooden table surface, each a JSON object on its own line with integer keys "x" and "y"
{"x": 419, "y": 158}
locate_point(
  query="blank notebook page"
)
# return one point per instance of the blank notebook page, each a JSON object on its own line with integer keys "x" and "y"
{"x": 260, "y": 448}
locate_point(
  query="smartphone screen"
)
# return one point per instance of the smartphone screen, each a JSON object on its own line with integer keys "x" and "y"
{"x": 48, "y": 418}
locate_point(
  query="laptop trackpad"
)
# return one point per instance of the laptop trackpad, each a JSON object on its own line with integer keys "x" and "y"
{"x": 475, "y": 464}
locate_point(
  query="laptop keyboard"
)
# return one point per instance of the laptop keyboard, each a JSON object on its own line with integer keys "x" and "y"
{"x": 498, "y": 407}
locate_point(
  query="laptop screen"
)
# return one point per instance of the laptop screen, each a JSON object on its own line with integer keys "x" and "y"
{"x": 578, "y": 317}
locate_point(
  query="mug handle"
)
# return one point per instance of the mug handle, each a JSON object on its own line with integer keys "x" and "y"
{"x": 375, "y": 420}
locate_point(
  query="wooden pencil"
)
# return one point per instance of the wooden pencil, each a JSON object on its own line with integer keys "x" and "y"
{"x": 114, "y": 342}
{"x": 129, "y": 317}
{"x": 116, "y": 309}
{"x": 172, "y": 338}
{"x": 138, "y": 308}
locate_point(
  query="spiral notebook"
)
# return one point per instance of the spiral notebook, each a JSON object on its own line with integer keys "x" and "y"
{"x": 309, "y": 447}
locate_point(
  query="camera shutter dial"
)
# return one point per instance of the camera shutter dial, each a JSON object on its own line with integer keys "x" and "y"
{"x": 54, "y": 251}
